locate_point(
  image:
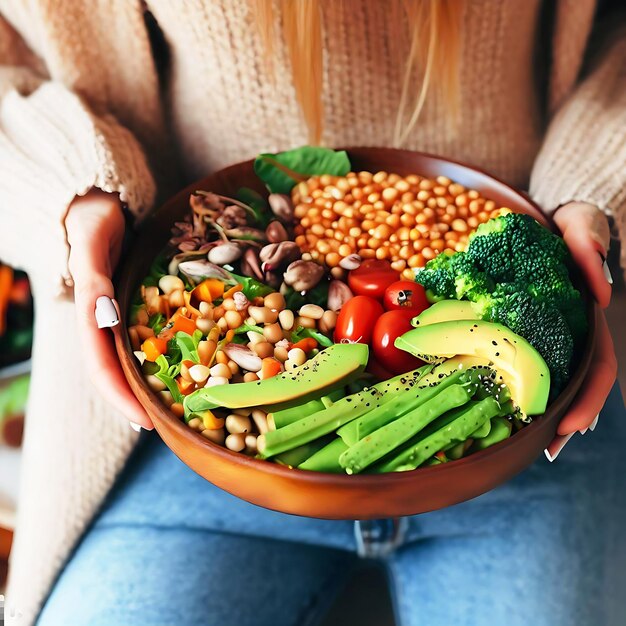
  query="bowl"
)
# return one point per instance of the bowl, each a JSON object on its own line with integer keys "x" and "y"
{"x": 335, "y": 496}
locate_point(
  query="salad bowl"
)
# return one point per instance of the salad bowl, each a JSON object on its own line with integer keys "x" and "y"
{"x": 338, "y": 496}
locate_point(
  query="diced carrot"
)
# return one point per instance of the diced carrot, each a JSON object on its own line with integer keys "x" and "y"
{"x": 185, "y": 386}
{"x": 211, "y": 421}
{"x": 154, "y": 347}
{"x": 232, "y": 290}
{"x": 269, "y": 367}
{"x": 307, "y": 344}
{"x": 229, "y": 336}
{"x": 6, "y": 283}
{"x": 209, "y": 290}
{"x": 182, "y": 323}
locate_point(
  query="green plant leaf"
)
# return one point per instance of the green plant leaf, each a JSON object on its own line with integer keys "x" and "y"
{"x": 280, "y": 172}
{"x": 167, "y": 375}
{"x": 301, "y": 333}
{"x": 251, "y": 287}
{"x": 257, "y": 203}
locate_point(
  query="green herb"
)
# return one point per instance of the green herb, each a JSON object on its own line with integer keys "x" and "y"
{"x": 257, "y": 203}
{"x": 167, "y": 375}
{"x": 280, "y": 172}
{"x": 302, "y": 333}
{"x": 157, "y": 322}
{"x": 251, "y": 287}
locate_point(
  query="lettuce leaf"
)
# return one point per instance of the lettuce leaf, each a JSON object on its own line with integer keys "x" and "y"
{"x": 280, "y": 172}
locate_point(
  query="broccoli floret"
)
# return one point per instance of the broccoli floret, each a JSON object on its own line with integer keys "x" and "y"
{"x": 506, "y": 247}
{"x": 541, "y": 324}
{"x": 516, "y": 271}
{"x": 438, "y": 277}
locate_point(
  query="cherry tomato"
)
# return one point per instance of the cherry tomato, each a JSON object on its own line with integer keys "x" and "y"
{"x": 389, "y": 326}
{"x": 405, "y": 294}
{"x": 372, "y": 278}
{"x": 357, "y": 319}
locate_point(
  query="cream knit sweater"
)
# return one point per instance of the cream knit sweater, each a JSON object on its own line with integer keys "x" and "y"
{"x": 85, "y": 101}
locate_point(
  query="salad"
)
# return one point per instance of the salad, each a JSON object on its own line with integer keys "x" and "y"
{"x": 357, "y": 322}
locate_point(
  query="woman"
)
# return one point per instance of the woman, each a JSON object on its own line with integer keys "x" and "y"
{"x": 103, "y": 102}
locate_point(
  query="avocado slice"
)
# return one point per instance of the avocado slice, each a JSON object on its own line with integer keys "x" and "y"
{"x": 445, "y": 311}
{"x": 521, "y": 366}
{"x": 330, "y": 366}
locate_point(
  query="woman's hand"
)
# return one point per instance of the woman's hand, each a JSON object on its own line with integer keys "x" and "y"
{"x": 95, "y": 230}
{"x": 586, "y": 231}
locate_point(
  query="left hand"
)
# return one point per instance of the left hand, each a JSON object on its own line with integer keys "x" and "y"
{"x": 586, "y": 231}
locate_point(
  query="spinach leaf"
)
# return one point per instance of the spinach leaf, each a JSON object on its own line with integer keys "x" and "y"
{"x": 318, "y": 295}
{"x": 280, "y": 172}
{"x": 257, "y": 203}
{"x": 301, "y": 333}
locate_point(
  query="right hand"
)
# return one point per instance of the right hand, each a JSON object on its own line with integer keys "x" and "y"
{"x": 95, "y": 230}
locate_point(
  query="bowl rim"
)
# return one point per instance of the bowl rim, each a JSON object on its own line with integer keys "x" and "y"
{"x": 193, "y": 438}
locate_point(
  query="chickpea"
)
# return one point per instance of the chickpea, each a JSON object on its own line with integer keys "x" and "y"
{"x": 238, "y": 424}
{"x": 273, "y": 332}
{"x": 233, "y": 319}
{"x": 236, "y": 442}
{"x": 263, "y": 349}
{"x": 275, "y": 301}
{"x": 250, "y": 377}
{"x": 216, "y": 436}
{"x": 169, "y": 283}
{"x": 263, "y": 315}
{"x": 220, "y": 369}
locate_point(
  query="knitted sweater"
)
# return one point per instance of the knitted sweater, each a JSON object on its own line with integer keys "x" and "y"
{"x": 137, "y": 97}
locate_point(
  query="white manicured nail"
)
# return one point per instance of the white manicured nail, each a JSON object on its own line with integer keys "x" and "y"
{"x": 607, "y": 273}
{"x": 135, "y": 427}
{"x": 561, "y": 441}
{"x": 582, "y": 432}
{"x": 593, "y": 424}
{"x": 106, "y": 313}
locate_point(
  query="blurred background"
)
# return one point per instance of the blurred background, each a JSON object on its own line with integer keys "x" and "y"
{"x": 364, "y": 601}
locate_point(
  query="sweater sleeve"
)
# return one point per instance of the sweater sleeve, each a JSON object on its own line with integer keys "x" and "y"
{"x": 52, "y": 148}
{"x": 583, "y": 157}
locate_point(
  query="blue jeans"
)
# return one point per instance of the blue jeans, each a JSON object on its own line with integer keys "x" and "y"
{"x": 548, "y": 548}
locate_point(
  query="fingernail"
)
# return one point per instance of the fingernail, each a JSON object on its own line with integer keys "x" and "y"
{"x": 607, "y": 273}
{"x": 558, "y": 443}
{"x": 593, "y": 424}
{"x": 582, "y": 432}
{"x": 135, "y": 427}
{"x": 106, "y": 313}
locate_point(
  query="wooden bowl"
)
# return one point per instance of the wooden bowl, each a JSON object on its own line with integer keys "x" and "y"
{"x": 335, "y": 496}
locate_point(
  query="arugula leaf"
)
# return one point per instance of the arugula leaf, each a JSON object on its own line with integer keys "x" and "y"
{"x": 280, "y": 172}
{"x": 251, "y": 287}
{"x": 302, "y": 333}
{"x": 167, "y": 375}
{"x": 157, "y": 270}
{"x": 257, "y": 203}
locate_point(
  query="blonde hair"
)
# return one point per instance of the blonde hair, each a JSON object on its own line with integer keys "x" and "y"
{"x": 434, "y": 33}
